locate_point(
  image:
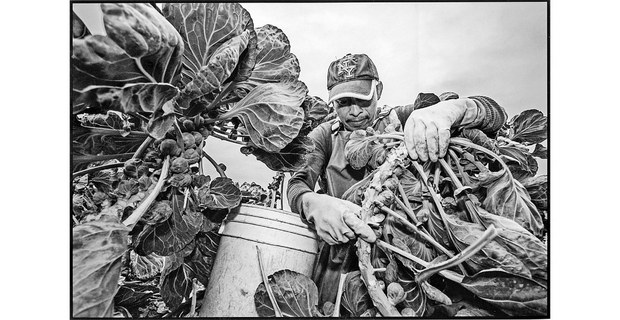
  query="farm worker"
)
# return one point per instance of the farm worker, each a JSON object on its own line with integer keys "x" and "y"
{"x": 354, "y": 89}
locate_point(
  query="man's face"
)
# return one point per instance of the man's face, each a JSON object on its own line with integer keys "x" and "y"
{"x": 356, "y": 113}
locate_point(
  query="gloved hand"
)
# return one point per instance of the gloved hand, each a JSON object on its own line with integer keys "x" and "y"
{"x": 427, "y": 130}
{"x": 334, "y": 219}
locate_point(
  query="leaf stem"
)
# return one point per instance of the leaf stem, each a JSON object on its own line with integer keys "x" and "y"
{"x": 437, "y": 202}
{"x": 424, "y": 235}
{"x": 405, "y": 205}
{"x": 217, "y": 167}
{"x": 141, "y": 68}
{"x": 145, "y": 144}
{"x": 214, "y": 134}
{"x": 98, "y": 168}
{"x": 450, "y": 275}
{"x": 485, "y": 239}
{"x": 343, "y": 277}
{"x": 227, "y": 88}
{"x": 131, "y": 221}
{"x": 394, "y": 135}
{"x": 272, "y": 297}
{"x": 469, "y": 204}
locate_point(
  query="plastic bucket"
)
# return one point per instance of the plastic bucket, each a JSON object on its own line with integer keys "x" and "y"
{"x": 285, "y": 242}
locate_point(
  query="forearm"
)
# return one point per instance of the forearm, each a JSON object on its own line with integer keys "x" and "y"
{"x": 480, "y": 112}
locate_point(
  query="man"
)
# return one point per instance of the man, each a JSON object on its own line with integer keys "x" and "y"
{"x": 354, "y": 89}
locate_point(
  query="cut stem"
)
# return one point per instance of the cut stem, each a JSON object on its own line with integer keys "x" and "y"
{"x": 408, "y": 211}
{"x": 131, "y": 221}
{"x": 343, "y": 276}
{"x": 272, "y": 297}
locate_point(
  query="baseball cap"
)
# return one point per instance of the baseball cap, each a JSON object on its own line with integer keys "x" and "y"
{"x": 353, "y": 75}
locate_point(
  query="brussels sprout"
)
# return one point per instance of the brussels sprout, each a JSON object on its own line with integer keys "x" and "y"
{"x": 130, "y": 168}
{"x": 191, "y": 155}
{"x": 407, "y": 312}
{"x": 200, "y": 180}
{"x": 328, "y": 308}
{"x": 198, "y": 137}
{"x": 159, "y": 212}
{"x": 179, "y": 165}
{"x": 170, "y": 147}
{"x": 188, "y": 125}
{"x": 181, "y": 180}
{"x": 395, "y": 293}
{"x": 188, "y": 140}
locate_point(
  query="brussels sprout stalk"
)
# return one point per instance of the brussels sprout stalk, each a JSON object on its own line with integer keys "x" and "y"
{"x": 141, "y": 209}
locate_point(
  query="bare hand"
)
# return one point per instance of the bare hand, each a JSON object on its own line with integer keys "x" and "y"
{"x": 334, "y": 219}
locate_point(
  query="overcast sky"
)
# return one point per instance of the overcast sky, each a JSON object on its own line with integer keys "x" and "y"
{"x": 494, "y": 49}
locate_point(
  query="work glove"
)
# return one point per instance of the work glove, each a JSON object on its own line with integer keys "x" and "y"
{"x": 335, "y": 220}
{"x": 427, "y": 130}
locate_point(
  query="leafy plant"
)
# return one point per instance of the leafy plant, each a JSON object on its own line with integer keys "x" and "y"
{"x": 145, "y": 98}
{"x": 466, "y": 219}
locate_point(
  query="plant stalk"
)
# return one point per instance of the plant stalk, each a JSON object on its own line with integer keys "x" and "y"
{"x": 213, "y": 134}
{"x": 98, "y": 168}
{"x": 411, "y": 226}
{"x": 272, "y": 297}
{"x": 437, "y": 202}
{"x": 343, "y": 277}
{"x": 217, "y": 167}
{"x": 467, "y": 253}
{"x": 147, "y": 142}
{"x": 469, "y": 205}
{"x": 131, "y": 221}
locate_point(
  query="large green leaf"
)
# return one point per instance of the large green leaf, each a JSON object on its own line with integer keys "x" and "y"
{"x": 110, "y": 120}
{"x": 140, "y": 46}
{"x": 492, "y": 255}
{"x": 97, "y": 250}
{"x": 355, "y": 297}
{"x": 424, "y": 100}
{"x": 293, "y": 157}
{"x": 271, "y": 113}
{"x": 537, "y": 187}
{"x": 219, "y": 68}
{"x": 513, "y": 294}
{"x": 521, "y": 163}
{"x": 134, "y": 294}
{"x": 89, "y": 142}
{"x": 146, "y": 97}
{"x": 176, "y": 284}
{"x": 415, "y": 298}
{"x": 295, "y": 294}
{"x": 204, "y": 28}
{"x": 315, "y": 110}
{"x": 518, "y": 241}
{"x": 529, "y": 127}
{"x": 221, "y": 193}
{"x": 508, "y": 198}
{"x": 274, "y": 61}
{"x": 172, "y": 235}
{"x": 96, "y": 98}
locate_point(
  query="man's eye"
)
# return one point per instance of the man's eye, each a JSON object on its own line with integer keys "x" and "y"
{"x": 343, "y": 102}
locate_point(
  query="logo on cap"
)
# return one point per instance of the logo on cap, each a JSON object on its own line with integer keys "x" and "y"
{"x": 346, "y": 66}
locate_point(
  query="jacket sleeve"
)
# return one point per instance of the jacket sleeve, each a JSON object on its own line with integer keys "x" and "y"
{"x": 490, "y": 116}
{"x": 305, "y": 180}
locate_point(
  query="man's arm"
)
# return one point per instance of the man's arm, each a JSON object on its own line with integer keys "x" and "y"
{"x": 489, "y": 117}
{"x": 334, "y": 220}
{"x": 427, "y": 130}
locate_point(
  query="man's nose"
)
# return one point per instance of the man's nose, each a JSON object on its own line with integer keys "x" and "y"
{"x": 355, "y": 110}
